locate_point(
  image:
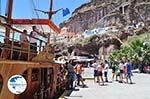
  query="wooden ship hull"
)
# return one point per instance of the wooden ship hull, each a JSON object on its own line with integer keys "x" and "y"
{"x": 45, "y": 79}
{"x": 42, "y": 79}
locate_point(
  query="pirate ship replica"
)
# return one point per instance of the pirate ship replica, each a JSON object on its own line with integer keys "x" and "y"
{"x": 43, "y": 77}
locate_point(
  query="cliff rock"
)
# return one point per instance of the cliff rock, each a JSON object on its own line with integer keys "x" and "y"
{"x": 105, "y": 13}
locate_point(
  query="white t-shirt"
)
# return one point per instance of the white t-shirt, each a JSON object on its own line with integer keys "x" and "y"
{"x": 34, "y": 34}
{"x": 23, "y": 38}
{"x": 121, "y": 66}
{"x": 106, "y": 68}
{"x": 94, "y": 65}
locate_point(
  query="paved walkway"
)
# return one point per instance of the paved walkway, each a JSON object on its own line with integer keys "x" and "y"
{"x": 114, "y": 90}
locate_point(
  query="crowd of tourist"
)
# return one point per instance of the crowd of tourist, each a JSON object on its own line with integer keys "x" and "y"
{"x": 121, "y": 70}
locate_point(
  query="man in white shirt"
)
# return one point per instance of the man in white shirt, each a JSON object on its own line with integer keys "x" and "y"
{"x": 94, "y": 65}
{"x": 106, "y": 70}
{"x": 23, "y": 44}
{"x": 121, "y": 71}
{"x": 23, "y": 37}
{"x": 33, "y": 41}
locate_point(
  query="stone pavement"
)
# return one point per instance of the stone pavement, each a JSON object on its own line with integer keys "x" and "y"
{"x": 88, "y": 73}
{"x": 114, "y": 90}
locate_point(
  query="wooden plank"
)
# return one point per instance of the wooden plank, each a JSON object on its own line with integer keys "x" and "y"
{"x": 36, "y": 21}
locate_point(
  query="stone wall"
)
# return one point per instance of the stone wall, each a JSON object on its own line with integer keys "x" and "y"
{"x": 102, "y": 13}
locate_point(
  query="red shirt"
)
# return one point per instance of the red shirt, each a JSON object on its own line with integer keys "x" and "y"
{"x": 78, "y": 68}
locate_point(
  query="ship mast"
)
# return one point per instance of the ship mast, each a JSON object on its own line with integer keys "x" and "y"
{"x": 51, "y": 10}
{"x": 9, "y": 16}
{"x": 29, "y": 21}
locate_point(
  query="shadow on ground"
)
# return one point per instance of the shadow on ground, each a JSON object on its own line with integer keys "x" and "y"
{"x": 68, "y": 92}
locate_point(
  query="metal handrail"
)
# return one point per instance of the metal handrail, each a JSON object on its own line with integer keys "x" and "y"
{"x": 20, "y": 49}
{"x": 6, "y": 25}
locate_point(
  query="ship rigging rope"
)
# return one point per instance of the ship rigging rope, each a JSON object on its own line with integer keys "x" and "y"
{"x": 34, "y": 7}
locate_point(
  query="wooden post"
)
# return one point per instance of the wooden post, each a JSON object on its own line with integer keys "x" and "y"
{"x": 48, "y": 38}
{"x": 42, "y": 84}
{"x": 9, "y": 15}
{"x": 29, "y": 51}
{"x": 7, "y": 34}
{"x": 12, "y": 46}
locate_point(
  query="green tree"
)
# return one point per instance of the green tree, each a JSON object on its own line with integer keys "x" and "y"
{"x": 136, "y": 51}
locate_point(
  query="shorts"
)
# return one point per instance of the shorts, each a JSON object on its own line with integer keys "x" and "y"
{"x": 75, "y": 76}
{"x": 70, "y": 76}
{"x": 129, "y": 74}
{"x": 99, "y": 73}
{"x": 95, "y": 73}
{"x": 113, "y": 69}
{"x": 105, "y": 74}
{"x": 118, "y": 74}
{"x": 79, "y": 76}
{"x": 121, "y": 71}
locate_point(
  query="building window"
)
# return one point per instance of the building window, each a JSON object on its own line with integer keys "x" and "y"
{"x": 126, "y": 8}
{"x": 121, "y": 10}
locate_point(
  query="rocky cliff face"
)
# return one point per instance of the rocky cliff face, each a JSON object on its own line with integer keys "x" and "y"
{"x": 103, "y": 13}
{"x": 108, "y": 13}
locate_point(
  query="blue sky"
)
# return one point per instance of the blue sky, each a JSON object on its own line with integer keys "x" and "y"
{"x": 25, "y": 9}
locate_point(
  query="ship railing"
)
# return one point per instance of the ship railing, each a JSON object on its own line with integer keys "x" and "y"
{"x": 15, "y": 46}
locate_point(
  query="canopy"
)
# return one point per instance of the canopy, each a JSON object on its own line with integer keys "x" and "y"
{"x": 84, "y": 60}
{"x": 81, "y": 59}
